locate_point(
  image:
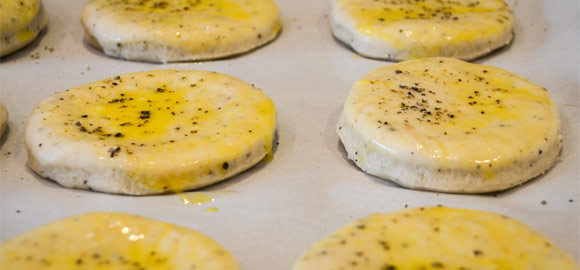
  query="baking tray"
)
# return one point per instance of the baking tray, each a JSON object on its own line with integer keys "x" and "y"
{"x": 269, "y": 215}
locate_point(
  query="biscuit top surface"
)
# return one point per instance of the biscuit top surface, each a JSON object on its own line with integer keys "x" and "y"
{"x": 157, "y": 121}
{"x": 432, "y": 24}
{"x": 16, "y": 15}
{"x": 178, "y": 23}
{"x": 435, "y": 238}
{"x": 113, "y": 241}
{"x": 446, "y": 113}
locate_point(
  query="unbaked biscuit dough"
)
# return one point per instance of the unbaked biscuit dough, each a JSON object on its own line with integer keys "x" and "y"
{"x": 446, "y": 125}
{"x": 20, "y": 23}
{"x": 179, "y": 30}
{"x": 402, "y": 30}
{"x": 150, "y": 132}
{"x": 433, "y": 238}
{"x": 113, "y": 241}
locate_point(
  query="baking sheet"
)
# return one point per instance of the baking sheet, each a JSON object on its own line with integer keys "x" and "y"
{"x": 270, "y": 214}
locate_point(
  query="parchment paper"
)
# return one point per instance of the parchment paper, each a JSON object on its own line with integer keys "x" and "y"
{"x": 272, "y": 213}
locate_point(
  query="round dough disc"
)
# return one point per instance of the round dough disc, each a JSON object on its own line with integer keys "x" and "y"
{"x": 113, "y": 241}
{"x": 446, "y": 125}
{"x": 402, "y": 30}
{"x": 150, "y": 132}
{"x": 180, "y": 30}
{"x": 20, "y": 23}
{"x": 434, "y": 238}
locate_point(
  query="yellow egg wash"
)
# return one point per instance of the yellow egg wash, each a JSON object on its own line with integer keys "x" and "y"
{"x": 212, "y": 210}
{"x": 424, "y": 27}
{"x": 269, "y": 156}
{"x": 461, "y": 115}
{"x": 167, "y": 133}
{"x": 25, "y": 35}
{"x": 113, "y": 241}
{"x": 435, "y": 238}
{"x": 195, "y": 198}
{"x": 151, "y": 113}
{"x": 225, "y": 8}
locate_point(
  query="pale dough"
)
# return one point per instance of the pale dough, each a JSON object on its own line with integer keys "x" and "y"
{"x": 402, "y": 30}
{"x": 150, "y": 132}
{"x": 113, "y": 241}
{"x": 442, "y": 124}
{"x": 434, "y": 238}
{"x": 179, "y": 30}
{"x": 20, "y": 23}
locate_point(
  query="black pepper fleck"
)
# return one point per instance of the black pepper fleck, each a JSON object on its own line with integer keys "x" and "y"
{"x": 114, "y": 150}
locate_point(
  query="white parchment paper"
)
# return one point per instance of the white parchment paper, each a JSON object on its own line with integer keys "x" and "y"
{"x": 270, "y": 214}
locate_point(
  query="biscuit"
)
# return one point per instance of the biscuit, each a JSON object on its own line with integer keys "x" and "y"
{"x": 402, "y": 30}
{"x": 113, "y": 241}
{"x": 150, "y": 132}
{"x": 442, "y": 124}
{"x": 20, "y": 23}
{"x": 435, "y": 238}
{"x": 181, "y": 30}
